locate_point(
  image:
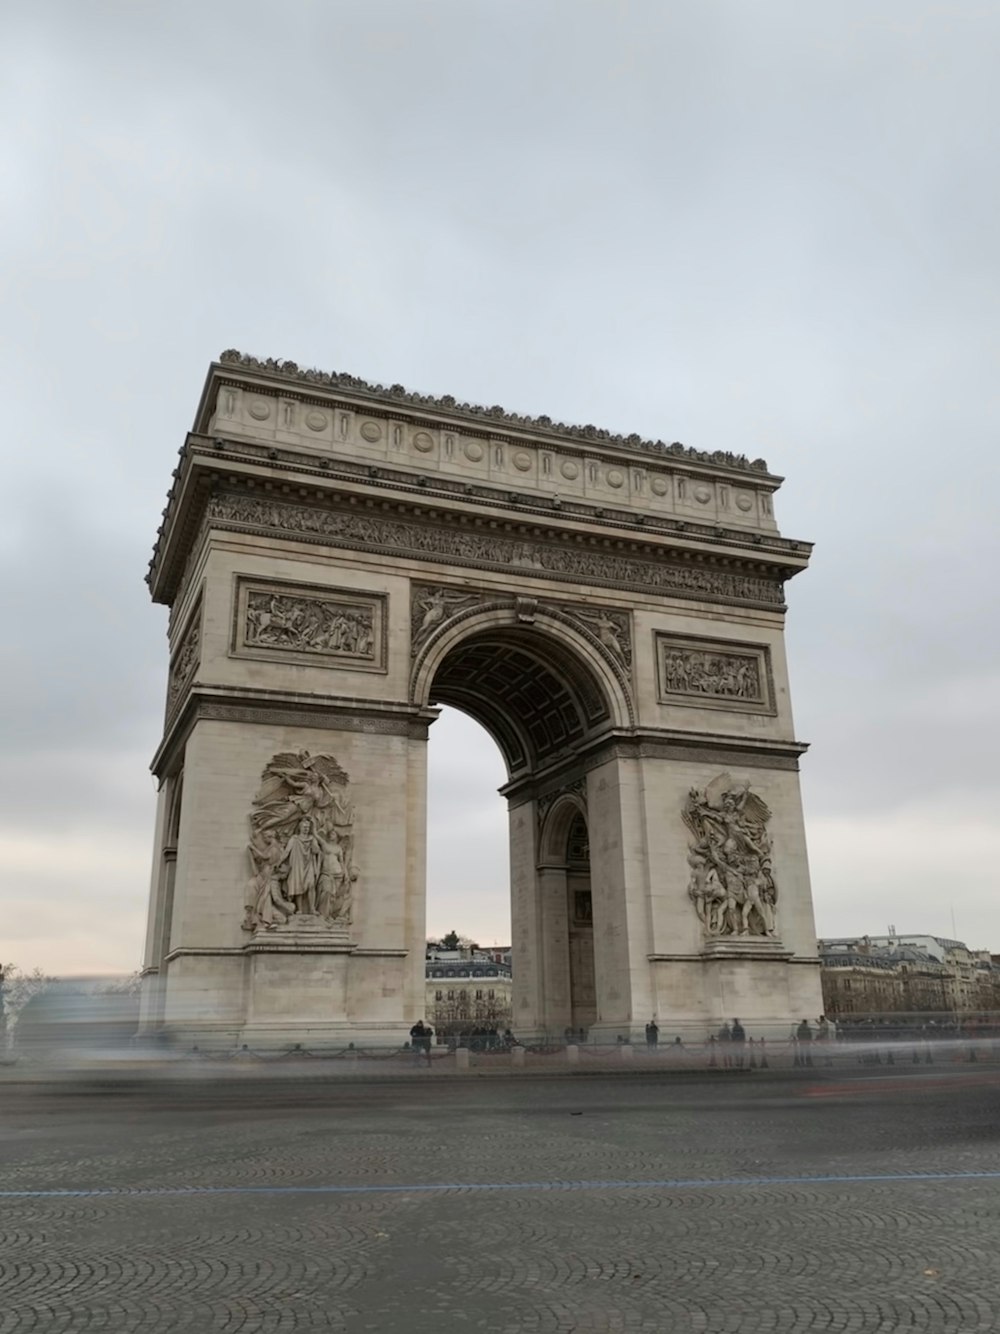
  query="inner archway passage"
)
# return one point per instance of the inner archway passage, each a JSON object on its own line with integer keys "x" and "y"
{"x": 468, "y": 873}
{"x": 541, "y": 697}
{"x": 531, "y": 693}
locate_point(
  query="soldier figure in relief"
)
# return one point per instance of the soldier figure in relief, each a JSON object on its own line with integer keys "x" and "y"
{"x": 732, "y": 886}
{"x": 301, "y": 841}
{"x": 331, "y": 887}
{"x": 300, "y": 866}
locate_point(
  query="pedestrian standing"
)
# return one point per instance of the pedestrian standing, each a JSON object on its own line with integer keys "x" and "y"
{"x": 824, "y": 1035}
{"x": 417, "y": 1040}
{"x": 652, "y": 1035}
{"x": 738, "y": 1037}
{"x": 803, "y": 1035}
{"x": 726, "y": 1039}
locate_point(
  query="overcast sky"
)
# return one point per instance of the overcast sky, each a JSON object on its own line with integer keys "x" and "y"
{"x": 765, "y": 227}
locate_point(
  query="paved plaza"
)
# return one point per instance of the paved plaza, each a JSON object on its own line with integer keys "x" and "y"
{"x": 425, "y": 1202}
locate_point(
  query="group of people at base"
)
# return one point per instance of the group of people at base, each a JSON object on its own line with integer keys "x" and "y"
{"x": 485, "y": 1039}
{"x": 733, "y": 1036}
{"x": 476, "y": 1039}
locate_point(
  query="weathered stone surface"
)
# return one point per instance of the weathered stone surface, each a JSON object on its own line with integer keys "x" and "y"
{"x": 324, "y": 596}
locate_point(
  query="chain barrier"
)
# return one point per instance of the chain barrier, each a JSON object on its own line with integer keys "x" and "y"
{"x": 712, "y": 1053}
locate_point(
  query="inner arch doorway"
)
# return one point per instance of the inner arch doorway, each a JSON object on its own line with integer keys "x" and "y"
{"x": 567, "y": 917}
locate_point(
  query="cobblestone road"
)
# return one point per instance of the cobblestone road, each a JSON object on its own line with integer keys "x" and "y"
{"x": 247, "y": 1205}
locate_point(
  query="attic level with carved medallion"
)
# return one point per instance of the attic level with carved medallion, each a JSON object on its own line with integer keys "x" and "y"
{"x": 276, "y": 412}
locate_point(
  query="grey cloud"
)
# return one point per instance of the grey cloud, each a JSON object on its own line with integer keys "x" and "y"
{"x": 764, "y": 228}
{"x": 83, "y": 656}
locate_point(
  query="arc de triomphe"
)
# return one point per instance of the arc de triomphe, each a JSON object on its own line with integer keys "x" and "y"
{"x": 338, "y": 559}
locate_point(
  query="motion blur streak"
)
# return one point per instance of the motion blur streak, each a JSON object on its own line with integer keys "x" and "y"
{"x": 438, "y": 1187}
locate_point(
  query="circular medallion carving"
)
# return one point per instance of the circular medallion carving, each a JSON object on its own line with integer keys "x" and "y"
{"x": 522, "y": 461}
{"x": 744, "y": 503}
{"x": 702, "y": 494}
{"x": 423, "y": 442}
{"x": 371, "y": 431}
{"x": 473, "y": 451}
{"x": 260, "y": 409}
{"x": 659, "y": 486}
{"x": 570, "y": 470}
{"x": 316, "y": 421}
{"x": 615, "y": 478}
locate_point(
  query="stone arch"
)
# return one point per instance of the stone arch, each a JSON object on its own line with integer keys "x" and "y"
{"x": 531, "y": 678}
{"x": 555, "y": 827}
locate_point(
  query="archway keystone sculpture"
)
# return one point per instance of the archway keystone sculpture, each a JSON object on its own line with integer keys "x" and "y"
{"x": 341, "y": 558}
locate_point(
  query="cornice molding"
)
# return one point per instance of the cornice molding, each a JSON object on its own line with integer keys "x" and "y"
{"x": 284, "y": 709}
{"x": 717, "y": 749}
{"x": 274, "y": 947}
{"x": 225, "y": 456}
{"x": 444, "y": 539}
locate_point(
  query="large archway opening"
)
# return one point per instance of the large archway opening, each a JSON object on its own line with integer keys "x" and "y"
{"x": 532, "y": 691}
{"x": 468, "y": 975}
{"x": 540, "y": 701}
{"x": 468, "y": 857}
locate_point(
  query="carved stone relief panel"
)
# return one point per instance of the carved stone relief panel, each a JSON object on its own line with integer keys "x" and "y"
{"x": 714, "y": 674}
{"x": 302, "y": 871}
{"x": 309, "y": 624}
{"x": 732, "y": 886}
{"x": 613, "y": 629}
{"x": 184, "y": 662}
{"x": 431, "y": 605}
{"x": 491, "y": 551}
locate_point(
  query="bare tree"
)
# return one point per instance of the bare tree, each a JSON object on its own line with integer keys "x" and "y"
{"x": 453, "y": 941}
{"x": 17, "y": 988}
{"x": 130, "y": 985}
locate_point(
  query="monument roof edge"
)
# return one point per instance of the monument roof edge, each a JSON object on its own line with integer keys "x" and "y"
{"x": 233, "y": 360}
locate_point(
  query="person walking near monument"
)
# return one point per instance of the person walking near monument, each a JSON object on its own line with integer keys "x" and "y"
{"x": 726, "y": 1039}
{"x": 417, "y": 1040}
{"x": 738, "y": 1037}
{"x": 652, "y": 1035}
{"x": 803, "y": 1036}
{"x": 825, "y": 1034}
